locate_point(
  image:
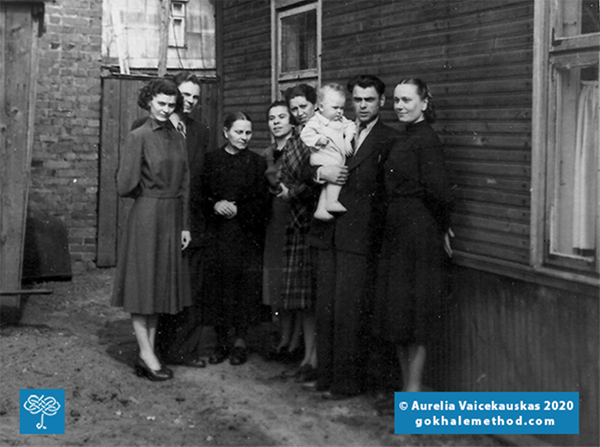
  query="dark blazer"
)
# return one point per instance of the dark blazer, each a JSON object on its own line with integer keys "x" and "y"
{"x": 197, "y": 139}
{"x": 358, "y": 230}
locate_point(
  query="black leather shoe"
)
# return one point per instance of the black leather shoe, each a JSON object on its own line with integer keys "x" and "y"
{"x": 238, "y": 356}
{"x": 328, "y": 395}
{"x": 194, "y": 363}
{"x": 219, "y": 355}
{"x": 168, "y": 370}
{"x": 276, "y": 355}
{"x": 143, "y": 370}
{"x": 306, "y": 374}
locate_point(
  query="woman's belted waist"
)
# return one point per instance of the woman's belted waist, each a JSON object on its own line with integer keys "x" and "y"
{"x": 160, "y": 194}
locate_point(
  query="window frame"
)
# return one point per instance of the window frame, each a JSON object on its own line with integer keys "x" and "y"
{"x": 281, "y": 9}
{"x": 550, "y": 52}
{"x": 172, "y": 38}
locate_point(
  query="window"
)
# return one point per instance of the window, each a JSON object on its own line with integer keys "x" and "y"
{"x": 177, "y": 25}
{"x": 296, "y": 44}
{"x": 566, "y": 165}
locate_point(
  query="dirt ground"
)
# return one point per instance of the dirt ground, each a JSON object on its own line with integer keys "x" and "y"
{"x": 73, "y": 339}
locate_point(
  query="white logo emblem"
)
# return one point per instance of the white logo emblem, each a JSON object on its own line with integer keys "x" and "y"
{"x": 48, "y": 406}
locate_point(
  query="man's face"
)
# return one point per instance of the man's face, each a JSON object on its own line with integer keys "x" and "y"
{"x": 366, "y": 103}
{"x": 191, "y": 95}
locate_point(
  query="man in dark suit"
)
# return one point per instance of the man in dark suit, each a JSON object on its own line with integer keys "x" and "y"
{"x": 345, "y": 249}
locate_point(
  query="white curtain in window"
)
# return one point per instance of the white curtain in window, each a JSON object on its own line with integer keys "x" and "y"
{"x": 586, "y": 168}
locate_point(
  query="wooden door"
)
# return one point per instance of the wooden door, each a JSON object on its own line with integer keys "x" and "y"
{"x": 19, "y": 30}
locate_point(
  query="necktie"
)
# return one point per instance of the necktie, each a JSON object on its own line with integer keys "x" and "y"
{"x": 181, "y": 128}
{"x": 362, "y": 126}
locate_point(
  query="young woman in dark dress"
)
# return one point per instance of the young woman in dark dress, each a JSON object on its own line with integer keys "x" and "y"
{"x": 234, "y": 199}
{"x": 151, "y": 276}
{"x": 411, "y": 277}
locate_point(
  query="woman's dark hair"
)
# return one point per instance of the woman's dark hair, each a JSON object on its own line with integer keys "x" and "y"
{"x": 303, "y": 90}
{"x": 156, "y": 87}
{"x": 233, "y": 117}
{"x": 366, "y": 81}
{"x": 278, "y": 103}
{"x": 425, "y": 95}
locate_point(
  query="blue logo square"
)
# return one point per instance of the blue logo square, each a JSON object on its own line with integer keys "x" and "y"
{"x": 42, "y": 412}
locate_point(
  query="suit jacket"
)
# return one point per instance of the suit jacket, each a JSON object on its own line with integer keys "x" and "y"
{"x": 359, "y": 230}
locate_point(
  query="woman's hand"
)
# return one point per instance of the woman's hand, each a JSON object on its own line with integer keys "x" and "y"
{"x": 284, "y": 193}
{"x": 447, "y": 245}
{"x": 186, "y": 238}
{"x": 225, "y": 208}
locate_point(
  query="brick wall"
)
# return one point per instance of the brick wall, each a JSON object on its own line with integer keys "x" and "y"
{"x": 67, "y": 123}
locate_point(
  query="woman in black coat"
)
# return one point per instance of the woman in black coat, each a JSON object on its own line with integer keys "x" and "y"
{"x": 234, "y": 199}
{"x": 411, "y": 274}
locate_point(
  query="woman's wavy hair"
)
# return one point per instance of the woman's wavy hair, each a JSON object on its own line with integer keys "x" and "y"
{"x": 156, "y": 87}
{"x": 425, "y": 95}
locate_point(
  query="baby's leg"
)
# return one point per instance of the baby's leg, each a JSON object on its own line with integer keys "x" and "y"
{"x": 332, "y": 204}
{"x": 321, "y": 211}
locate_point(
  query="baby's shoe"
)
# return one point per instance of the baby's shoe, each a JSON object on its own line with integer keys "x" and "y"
{"x": 322, "y": 214}
{"x": 335, "y": 207}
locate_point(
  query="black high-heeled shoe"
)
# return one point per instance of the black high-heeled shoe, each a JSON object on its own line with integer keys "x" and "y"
{"x": 142, "y": 369}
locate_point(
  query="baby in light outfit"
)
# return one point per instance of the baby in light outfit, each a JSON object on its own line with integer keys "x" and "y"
{"x": 330, "y": 135}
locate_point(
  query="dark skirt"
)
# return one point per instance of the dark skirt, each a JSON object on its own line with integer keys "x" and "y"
{"x": 232, "y": 278}
{"x": 411, "y": 279}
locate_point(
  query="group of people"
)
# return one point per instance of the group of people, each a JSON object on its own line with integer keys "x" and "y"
{"x": 341, "y": 226}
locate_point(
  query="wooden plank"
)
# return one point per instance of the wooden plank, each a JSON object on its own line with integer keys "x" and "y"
{"x": 490, "y": 155}
{"x": 493, "y": 197}
{"x": 490, "y": 223}
{"x": 499, "y": 239}
{"x": 489, "y": 170}
{"x": 483, "y": 140}
{"x": 19, "y": 79}
{"x": 490, "y": 251}
{"x": 500, "y": 212}
{"x": 457, "y": 126}
{"x": 495, "y": 183}
{"x": 109, "y": 162}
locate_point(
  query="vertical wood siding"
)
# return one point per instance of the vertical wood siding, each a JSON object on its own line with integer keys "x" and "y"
{"x": 18, "y": 80}
{"x": 508, "y": 335}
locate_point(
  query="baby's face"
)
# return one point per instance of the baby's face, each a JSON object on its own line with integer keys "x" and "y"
{"x": 332, "y": 105}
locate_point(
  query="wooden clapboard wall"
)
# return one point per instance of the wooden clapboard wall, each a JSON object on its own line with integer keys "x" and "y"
{"x": 20, "y": 25}
{"x": 119, "y": 111}
{"x": 245, "y": 37}
{"x": 477, "y": 59}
